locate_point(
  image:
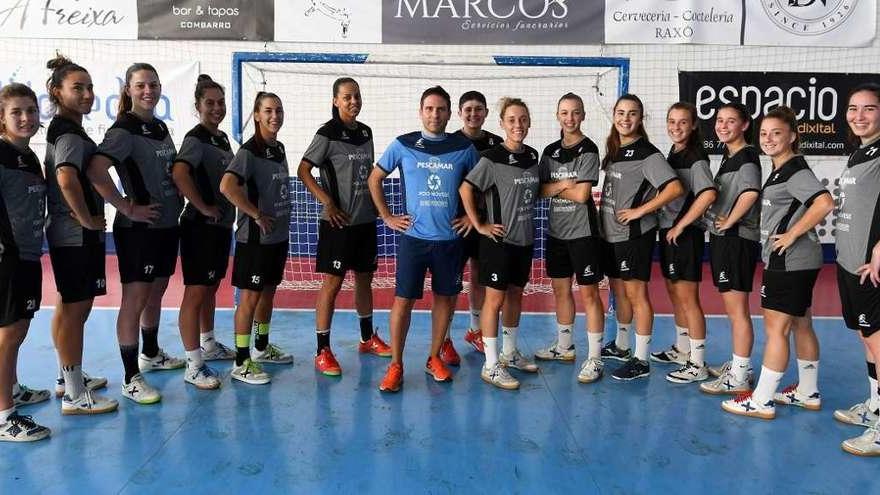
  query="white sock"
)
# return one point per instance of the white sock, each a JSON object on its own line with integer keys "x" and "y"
{"x": 682, "y": 341}
{"x": 475, "y": 320}
{"x": 508, "y": 339}
{"x": 594, "y": 344}
{"x": 739, "y": 368}
{"x": 622, "y": 338}
{"x": 207, "y": 341}
{"x": 490, "y": 345}
{"x": 698, "y": 351}
{"x": 643, "y": 346}
{"x": 4, "y": 414}
{"x": 73, "y": 380}
{"x": 16, "y": 389}
{"x": 60, "y": 366}
{"x": 872, "y": 382}
{"x": 767, "y": 385}
{"x": 808, "y": 376}
{"x": 449, "y": 326}
{"x": 563, "y": 335}
{"x": 194, "y": 358}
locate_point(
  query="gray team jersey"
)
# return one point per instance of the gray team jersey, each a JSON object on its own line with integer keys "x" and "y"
{"x": 142, "y": 153}
{"x": 511, "y": 183}
{"x": 692, "y": 169}
{"x": 858, "y": 208}
{"x": 738, "y": 174}
{"x": 568, "y": 219}
{"x": 632, "y": 178}
{"x": 207, "y": 155}
{"x": 786, "y": 196}
{"x": 22, "y": 203}
{"x": 68, "y": 145}
{"x": 344, "y": 158}
{"x": 263, "y": 172}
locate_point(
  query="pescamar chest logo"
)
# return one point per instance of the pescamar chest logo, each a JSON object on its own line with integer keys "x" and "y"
{"x": 145, "y": 130}
{"x": 809, "y": 17}
{"x": 512, "y": 159}
{"x": 420, "y": 143}
{"x": 555, "y": 153}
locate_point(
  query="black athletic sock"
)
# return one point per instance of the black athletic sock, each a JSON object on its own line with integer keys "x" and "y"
{"x": 151, "y": 341}
{"x": 323, "y": 340}
{"x": 872, "y": 370}
{"x": 242, "y": 348}
{"x": 366, "y": 327}
{"x": 129, "y": 355}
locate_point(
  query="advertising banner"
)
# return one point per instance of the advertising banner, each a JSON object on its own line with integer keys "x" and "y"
{"x": 82, "y": 19}
{"x": 676, "y": 21}
{"x": 818, "y": 100}
{"x": 175, "y": 107}
{"x": 462, "y": 22}
{"x": 206, "y": 20}
{"x": 324, "y": 21}
{"x": 810, "y": 22}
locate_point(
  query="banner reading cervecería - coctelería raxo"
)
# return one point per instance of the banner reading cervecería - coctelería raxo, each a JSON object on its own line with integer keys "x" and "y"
{"x": 818, "y": 99}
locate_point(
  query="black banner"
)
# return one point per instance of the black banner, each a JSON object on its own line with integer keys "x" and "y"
{"x": 818, "y": 99}
{"x": 207, "y": 20}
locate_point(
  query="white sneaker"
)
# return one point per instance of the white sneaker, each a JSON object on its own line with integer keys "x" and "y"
{"x": 717, "y": 371}
{"x": 556, "y": 353}
{"x": 745, "y": 405}
{"x": 867, "y": 444}
{"x": 87, "y": 403}
{"x": 591, "y": 371}
{"x": 671, "y": 355}
{"x": 91, "y": 383}
{"x": 202, "y": 377}
{"x": 518, "y": 361}
{"x": 499, "y": 376}
{"x": 272, "y": 354}
{"x": 689, "y": 373}
{"x": 725, "y": 384}
{"x": 27, "y": 396}
{"x": 250, "y": 372}
{"x": 140, "y": 391}
{"x": 18, "y": 428}
{"x": 219, "y": 353}
{"x": 791, "y": 396}
{"x": 162, "y": 361}
{"x": 859, "y": 415}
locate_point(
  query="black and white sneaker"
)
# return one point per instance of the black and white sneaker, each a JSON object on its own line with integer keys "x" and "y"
{"x": 670, "y": 356}
{"x": 27, "y": 396}
{"x": 632, "y": 369}
{"x": 689, "y": 373}
{"x": 18, "y": 428}
{"x": 611, "y": 351}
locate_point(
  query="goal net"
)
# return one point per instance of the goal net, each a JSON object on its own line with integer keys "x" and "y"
{"x": 391, "y": 91}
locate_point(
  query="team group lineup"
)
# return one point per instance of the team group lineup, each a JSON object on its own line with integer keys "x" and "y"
{"x": 469, "y": 196}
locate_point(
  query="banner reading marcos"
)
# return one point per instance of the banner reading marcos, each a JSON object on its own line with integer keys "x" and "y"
{"x": 818, "y": 100}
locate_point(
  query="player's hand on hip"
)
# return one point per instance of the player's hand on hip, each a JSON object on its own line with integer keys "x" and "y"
{"x": 399, "y": 223}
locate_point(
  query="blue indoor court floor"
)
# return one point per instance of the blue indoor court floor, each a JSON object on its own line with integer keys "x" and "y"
{"x": 306, "y": 433}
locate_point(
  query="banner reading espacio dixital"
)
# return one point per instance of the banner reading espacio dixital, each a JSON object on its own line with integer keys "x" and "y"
{"x": 818, "y": 100}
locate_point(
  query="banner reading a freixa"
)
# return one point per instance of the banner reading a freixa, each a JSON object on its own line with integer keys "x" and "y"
{"x": 818, "y": 100}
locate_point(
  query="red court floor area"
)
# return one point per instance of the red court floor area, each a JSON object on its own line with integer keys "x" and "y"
{"x": 826, "y": 301}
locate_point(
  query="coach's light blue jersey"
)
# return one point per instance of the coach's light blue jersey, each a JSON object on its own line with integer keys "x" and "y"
{"x": 431, "y": 170}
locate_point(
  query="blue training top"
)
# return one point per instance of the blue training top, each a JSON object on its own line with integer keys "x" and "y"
{"x": 431, "y": 171}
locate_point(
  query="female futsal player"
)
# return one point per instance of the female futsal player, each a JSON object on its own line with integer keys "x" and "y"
{"x": 858, "y": 255}
{"x": 22, "y": 201}
{"x": 472, "y": 110}
{"x": 257, "y": 183}
{"x": 342, "y": 150}
{"x": 569, "y": 169}
{"x": 145, "y": 230}
{"x": 733, "y": 242}
{"x": 75, "y": 233}
{"x": 508, "y": 176}
{"x": 682, "y": 242}
{"x": 793, "y": 202}
{"x": 205, "y": 232}
{"x": 638, "y": 182}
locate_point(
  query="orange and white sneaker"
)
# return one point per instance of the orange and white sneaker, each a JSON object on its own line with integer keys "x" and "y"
{"x": 435, "y": 367}
{"x": 475, "y": 339}
{"x": 448, "y": 353}
{"x": 375, "y": 346}
{"x": 326, "y": 363}
{"x": 393, "y": 378}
